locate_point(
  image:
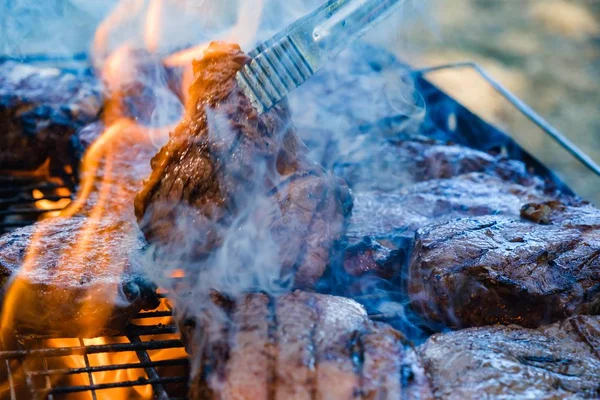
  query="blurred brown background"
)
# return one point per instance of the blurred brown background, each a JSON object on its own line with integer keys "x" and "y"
{"x": 545, "y": 51}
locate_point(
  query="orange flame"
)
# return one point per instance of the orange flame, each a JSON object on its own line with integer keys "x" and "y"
{"x": 152, "y": 32}
{"x": 103, "y": 194}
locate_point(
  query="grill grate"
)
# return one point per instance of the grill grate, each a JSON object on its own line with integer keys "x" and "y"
{"x": 38, "y": 367}
{"x": 25, "y": 199}
{"x": 144, "y": 341}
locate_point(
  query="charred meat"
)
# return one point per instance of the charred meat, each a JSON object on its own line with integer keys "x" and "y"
{"x": 509, "y": 362}
{"x": 383, "y": 222}
{"x": 40, "y": 109}
{"x": 300, "y": 346}
{"x": 489, "y": 270}
{"x": 221, "y": 158}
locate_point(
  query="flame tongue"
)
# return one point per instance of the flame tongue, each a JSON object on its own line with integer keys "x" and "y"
{"x": 73, "y": 268}
{"x": 71, "y": 274}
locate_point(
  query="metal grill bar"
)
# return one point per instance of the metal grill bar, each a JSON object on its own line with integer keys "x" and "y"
{"x": 101, "y": 386}
{"x": 527, "y": 111}
{"x": 114, "y": 367}
{"x": 92, "y": 349}
{"x": 18, "y": 205}
{"x": 37, "y": 374}
{"x": 158, "y": 388}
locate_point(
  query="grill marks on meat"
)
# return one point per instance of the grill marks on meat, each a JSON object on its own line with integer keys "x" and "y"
{"x": 340, "y": 321}
{"x": 40, "y": 109}
{"x": 297, "y": 322}
{"x": 382, "y": 222}
{"x": 511, "y": 362}
{"x": 324, "y": 347}
{"x": 221, "y": 157}
{"x": 478, "y": 271}
{"x": 251, "y": 359}
{"x": 62, "y": 260}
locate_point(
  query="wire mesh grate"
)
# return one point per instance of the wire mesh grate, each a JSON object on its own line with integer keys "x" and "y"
{"x": 147, "y": 360}
{"x": 26, "y": 198}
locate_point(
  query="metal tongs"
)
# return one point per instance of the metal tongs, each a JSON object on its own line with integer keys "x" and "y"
{"x": 292, "y": 56}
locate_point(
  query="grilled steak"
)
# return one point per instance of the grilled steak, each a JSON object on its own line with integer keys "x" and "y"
{"x": 403, "y": 162}
{"x": 221, "y": 158}
{"x": 40, "y": 109}
{"x": 78, "y": 266}
{"x": 301, "y": 346}
{"x": 480, "y": 271}
{"x": 509, "y": 362}
{"x": 382, "y": 223}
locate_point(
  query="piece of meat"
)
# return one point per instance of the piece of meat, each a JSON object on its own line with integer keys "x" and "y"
{"x": 251, "y": 364}
{"x": 511, "y": 362}
{"x": 383, "y": 223}
{"x": 304, "y": 346}
{"x": 80, "y": 265}
{"x": 223, "y": 158}
{"x": 398, "y": 163}
{"x": 40, "y": 109}
{"x": 582, "y": 216}
{"x": 489, "y": 270}
{"x": 297, "y": 321}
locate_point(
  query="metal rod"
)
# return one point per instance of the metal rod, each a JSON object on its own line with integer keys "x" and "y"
{"x": 524, "y": 109}
{"x": 159, "y": 391}
{"x": 29, "y": 187}
{"x": 153, "y": 314}
{"x": 151, "y": 330}
{"x": 47, "y": 378}
{"x": 81, "y": 350}
{"x": 113, "y": 367}
{"x": 20, "y": 200}
{"x": 101, "y": 386}
{"x": 87, "y": 364}
{"x": 30, "y": 211}
{"x": 11, "y": 383}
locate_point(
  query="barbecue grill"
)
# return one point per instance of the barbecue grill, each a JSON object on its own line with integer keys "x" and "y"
{"x": 155, "y": 330}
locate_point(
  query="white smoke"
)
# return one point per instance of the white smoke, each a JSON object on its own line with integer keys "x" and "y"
{"x": 349, "y": 93}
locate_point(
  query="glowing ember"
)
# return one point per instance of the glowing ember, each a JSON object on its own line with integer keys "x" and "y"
{"x": 55, "y": 202}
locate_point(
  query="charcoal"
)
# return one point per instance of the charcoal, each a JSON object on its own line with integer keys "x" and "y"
{"x": 208, "y": 177}
{"x": 383, "y": 224}
{"x": 40, "y": 109}
{"x": 502, "y": 270}
{"x": 510, "y": 362}
{"x": 294, "y": 346}
{"x": 65, "y": 268}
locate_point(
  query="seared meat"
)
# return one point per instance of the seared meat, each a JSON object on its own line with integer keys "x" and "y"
{"x": 584, "y": 217}
{"x": 509, "y": 362}
{"x": 403, "y": 162}
{"x": 382, "y": 222}
{"x": 40, "y": 109}
{"x": 479, "y": 271}
{"x": 302, "y": 346}
{"x": 222, "y": 158}
{"x": 78, "y": 266}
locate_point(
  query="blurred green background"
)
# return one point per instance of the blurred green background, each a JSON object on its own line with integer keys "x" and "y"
{"x": 545, "y": 51}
